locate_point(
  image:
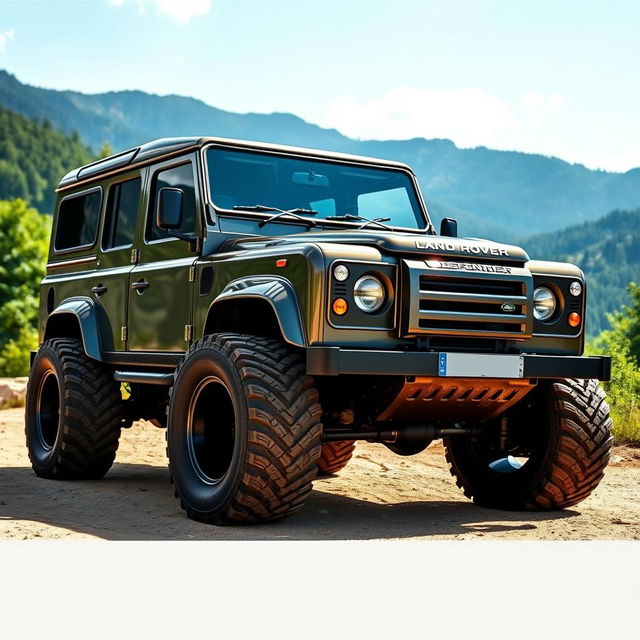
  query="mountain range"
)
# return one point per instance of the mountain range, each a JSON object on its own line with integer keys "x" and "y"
{"x": 503, "y": 195}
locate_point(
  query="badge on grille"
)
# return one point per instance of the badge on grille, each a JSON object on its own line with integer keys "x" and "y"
{"x": 508, "y": 307}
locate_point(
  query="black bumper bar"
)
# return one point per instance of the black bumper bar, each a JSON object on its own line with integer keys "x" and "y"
{"x": 334, "y": 361}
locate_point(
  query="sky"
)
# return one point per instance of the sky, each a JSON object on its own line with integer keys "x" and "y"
{"x": 557, "y": 78}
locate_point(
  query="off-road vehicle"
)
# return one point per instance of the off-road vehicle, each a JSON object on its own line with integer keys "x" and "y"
{"x": 271, "y": 305}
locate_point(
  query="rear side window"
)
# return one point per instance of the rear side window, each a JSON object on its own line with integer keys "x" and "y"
{"x": 78, "y": 220}
{"x": 121, "y": 214}
{"x": 180, "y": 177}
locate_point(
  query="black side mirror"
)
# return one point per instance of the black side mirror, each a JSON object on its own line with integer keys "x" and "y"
{"x": 449, "y": 227}
{"x": 169, "y": 212}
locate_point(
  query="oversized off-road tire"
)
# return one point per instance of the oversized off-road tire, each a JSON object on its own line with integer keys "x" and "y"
{"x": 73, "y": 413}
{"x": 335, "y": 456}
{"x": 243, "y": 431}
{"x": 561, "y": 431}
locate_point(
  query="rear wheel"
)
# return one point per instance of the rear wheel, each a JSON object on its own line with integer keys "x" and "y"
{"x": 335, "y": 456}
{"x": 557, "y": 447}
{"x": 73, "y": 412}
{"x": 243, "y": 430}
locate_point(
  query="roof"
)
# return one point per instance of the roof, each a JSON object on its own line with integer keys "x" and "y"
{"x": 169, "y": 146}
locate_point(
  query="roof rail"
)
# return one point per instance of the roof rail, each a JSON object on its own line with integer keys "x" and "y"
{"x": 112, "y": 162}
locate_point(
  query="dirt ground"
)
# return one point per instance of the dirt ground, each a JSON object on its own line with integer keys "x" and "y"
{"x": 379, "y": 495}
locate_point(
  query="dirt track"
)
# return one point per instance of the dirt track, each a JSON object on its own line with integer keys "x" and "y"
{"x": 379, "y": 495}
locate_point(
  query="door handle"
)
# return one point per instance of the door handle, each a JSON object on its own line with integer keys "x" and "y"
{"x": 140, "y": 286}
{"x": 99, "y": 290}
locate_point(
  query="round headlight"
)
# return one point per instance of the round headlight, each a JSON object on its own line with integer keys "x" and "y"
{"x": 369, "y": 294}
{"x": 544, "y": 303}
{"x": 341, "y": 273}
{"x": 575, "y": 288}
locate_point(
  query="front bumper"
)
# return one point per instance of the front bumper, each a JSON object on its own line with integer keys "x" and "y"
{"x": 334, "y": 361}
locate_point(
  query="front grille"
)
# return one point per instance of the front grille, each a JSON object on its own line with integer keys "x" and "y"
{"x": 467, "y": 304}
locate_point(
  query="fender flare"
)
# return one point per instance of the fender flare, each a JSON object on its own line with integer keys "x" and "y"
{"x": 93, "y": 324}
{"x": 279, "y": 293}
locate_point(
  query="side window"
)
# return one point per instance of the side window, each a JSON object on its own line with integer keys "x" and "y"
{"x": 180, "y": 177}
{"x": 121, "y": 214}
{"x": 78, "y": 221}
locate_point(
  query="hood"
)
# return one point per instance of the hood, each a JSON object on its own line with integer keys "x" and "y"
{"x": 396, "y": 242}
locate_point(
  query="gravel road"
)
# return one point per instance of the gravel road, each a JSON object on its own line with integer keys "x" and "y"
{"x": 378, "y": 496}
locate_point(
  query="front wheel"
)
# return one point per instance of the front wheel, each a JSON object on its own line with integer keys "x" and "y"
{"x": 243, "y": 431}
{"x": 552, "y": 456}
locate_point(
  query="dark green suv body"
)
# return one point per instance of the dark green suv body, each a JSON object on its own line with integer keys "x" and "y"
{"x": 272, "y": 305}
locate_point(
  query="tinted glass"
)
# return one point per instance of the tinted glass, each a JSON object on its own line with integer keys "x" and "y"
{"x": 384, "y": 204}
{"x": 238, "y": 178}
{"x": 78, "y": 221}
{"x": 180, "y": 178}
{"x": 121, "y": 215}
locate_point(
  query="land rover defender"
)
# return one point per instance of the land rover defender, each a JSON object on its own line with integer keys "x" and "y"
{"x": 270, "y": 306}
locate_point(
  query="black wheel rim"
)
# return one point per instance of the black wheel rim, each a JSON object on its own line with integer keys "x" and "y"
{"x": 516, "y": 457}
{"x": 211, "y": 430}
{"x": 524, "y": 448}
{"x": 48, "y": 410}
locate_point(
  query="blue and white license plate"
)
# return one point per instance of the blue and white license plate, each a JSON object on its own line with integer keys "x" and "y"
{"x": 480, "y": 365}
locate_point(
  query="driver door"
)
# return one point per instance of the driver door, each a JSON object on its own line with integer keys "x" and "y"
{"x": 160, "y": 294}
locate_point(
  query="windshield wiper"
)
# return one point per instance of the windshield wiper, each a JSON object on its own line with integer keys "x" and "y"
{"x": 367, "y": 221}
{"x": 294, "y": 213}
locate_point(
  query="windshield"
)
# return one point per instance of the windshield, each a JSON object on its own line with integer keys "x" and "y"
{"x": 325, "y": 190}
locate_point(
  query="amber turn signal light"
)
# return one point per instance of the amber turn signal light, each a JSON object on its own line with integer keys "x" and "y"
{"x": 339, "y": 306}
{"x": 574, "y": 319}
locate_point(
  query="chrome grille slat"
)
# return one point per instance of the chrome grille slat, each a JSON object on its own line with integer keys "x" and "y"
{"x": 474, "y": 317}
{"x": 472, "y": 297}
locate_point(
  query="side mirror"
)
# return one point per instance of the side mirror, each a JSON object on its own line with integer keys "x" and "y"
{"x": 169, "y": 212}
{"x": 449, "y": 227}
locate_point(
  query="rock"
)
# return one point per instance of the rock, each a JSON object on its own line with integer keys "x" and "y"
{"x": 12, "y": 392}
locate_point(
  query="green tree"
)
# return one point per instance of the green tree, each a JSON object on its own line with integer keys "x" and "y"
{"x": 105, "y": 150}
{"x": 622, "y": 343}
{"x": 24, "y": 239}
{"x": 13, "y": 181}
{"x": 33, "y": 158}
{"x": 625, "y": 326}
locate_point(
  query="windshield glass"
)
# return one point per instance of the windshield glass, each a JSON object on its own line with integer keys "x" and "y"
{"x": 240, "y": 179}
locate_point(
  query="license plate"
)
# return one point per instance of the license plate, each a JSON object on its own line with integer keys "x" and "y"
{"x": 480, "y": 365}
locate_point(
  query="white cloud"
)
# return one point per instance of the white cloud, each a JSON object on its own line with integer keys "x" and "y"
{"x": 620, "y": 161}
{"x": 469, "y": 116}
{"x": 183, "y": 10}
{"x": 5, "y": 36}
{"x": 179, "y": 10}
{"x": 533, "y": 122}
{"x": 535, "y": 101}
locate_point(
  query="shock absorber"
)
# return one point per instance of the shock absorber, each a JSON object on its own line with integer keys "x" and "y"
{"x": 504, "y": 433}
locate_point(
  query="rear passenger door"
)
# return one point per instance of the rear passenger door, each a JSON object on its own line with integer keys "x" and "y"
{"x": 160, "y": 294}
{"x": 123, "y": 210}
{"x": 73, "y": 258}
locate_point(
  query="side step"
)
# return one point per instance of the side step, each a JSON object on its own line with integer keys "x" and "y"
{"x": 144, "y": 377}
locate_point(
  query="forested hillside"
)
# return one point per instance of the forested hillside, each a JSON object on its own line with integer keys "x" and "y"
{"x": 33, "y": 158}
{"x": 499, "y": 194}
{"x": 607, "y": 250}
